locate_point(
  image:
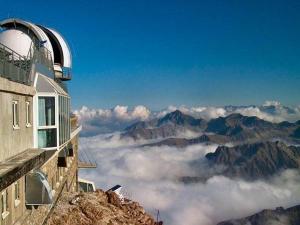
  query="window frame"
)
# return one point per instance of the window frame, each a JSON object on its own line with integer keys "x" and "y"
{"x": 17, "y": 193}
{"x": 15, "y": 115}
{"x": 28, "y": 113}
{"x": 50, "y": 126}
{"x": 4, "y": 202}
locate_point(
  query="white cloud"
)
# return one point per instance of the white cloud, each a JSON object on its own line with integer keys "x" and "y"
{"x": 150, "y": 175}
{"x": 141, "y": 112}
{"x": 97, "y": 121}
{"x": 255, "y": 111}
{"x": 272, "y": 103}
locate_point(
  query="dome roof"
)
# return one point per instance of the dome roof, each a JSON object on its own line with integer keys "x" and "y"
{"x": 62, "y": 53}
{"x": 16, "y": 40}
{"x": 67, "y": 56}
{"x": 13, "y": 23}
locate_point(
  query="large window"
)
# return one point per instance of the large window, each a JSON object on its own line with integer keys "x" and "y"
{"x": 64, "y": 119}
{"x": 47, "y": 138}
{"x": 47, "y": 125}
{"x": 46, "y": 111}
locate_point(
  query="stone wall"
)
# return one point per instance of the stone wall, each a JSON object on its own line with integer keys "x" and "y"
{"x": 61, "y": 179}
{"x": 16, "y": 205}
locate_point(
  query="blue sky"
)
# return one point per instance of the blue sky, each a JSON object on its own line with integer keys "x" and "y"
{"x": 159, "y": 53}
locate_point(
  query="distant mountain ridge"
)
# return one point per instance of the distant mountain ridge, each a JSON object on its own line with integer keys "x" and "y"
{"x": 167, "y": 126}
{"x": 232, "y": 128}
{"x": 256, "y": 152}
{"x": 279, "y": 216}
{"x": 256, "y": 160}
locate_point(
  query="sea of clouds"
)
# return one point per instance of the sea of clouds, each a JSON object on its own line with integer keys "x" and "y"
{"x": 101, "y": 121}
{"x": 150, "y": 175}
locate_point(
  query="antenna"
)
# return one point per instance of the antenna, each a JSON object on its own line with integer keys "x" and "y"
{"x": 158, "y": 221}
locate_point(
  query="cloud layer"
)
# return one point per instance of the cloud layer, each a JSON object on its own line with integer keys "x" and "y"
{"x": 99, "y": 121}
{"x": 150, "y": 175}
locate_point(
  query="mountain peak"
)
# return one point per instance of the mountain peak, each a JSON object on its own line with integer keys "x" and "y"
{"x": 179, "y": 118}
{"x": 234, "y": 116}
{"x": 176, "y": 113}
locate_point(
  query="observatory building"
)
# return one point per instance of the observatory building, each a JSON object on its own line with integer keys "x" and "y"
{"x": 38, "y": 134}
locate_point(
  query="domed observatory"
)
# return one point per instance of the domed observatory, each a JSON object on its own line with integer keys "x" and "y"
{"x": 46, "y": 60}
{"x": 62, "y": 55}
{"x": 38, "y": 44}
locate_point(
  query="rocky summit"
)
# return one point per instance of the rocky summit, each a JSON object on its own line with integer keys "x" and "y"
{"x": 98, "y": 208}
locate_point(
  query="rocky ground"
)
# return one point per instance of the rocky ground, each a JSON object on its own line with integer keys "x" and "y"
{"x": 97, "y": 208}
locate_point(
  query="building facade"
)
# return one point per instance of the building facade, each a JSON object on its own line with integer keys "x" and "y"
{"x": 38, "y": 134}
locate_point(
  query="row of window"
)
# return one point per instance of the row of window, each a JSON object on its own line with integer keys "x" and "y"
{"x": 47, "y": 131}
{"x": 5, "y": 202}
{"x": 16, "y": 114}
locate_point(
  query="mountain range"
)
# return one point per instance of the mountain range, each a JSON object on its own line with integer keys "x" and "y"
{"x": 256, "y": 160}
{"x": 279, "y": 216}
{"x": 258, "y": 149}
{"x": 234, "y": 128}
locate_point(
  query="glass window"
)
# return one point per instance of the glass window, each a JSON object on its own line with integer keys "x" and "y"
{"x": 17, "y": 191}
{"x": 15, "y": 114}
{"x": 64, "y": 119}
{"x": 90, "y": 187}
{"x": 46, "y": 111}
{"x": 28, "y": 114}
{"x": 47, "y": 138}
{"x": 4, "y": 201}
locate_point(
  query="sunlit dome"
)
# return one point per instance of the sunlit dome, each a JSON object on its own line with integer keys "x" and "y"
{"x": 51, "y": 39}
{"x": 16, "y": 40}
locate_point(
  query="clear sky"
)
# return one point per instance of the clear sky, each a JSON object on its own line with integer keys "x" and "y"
{"x": 159, "y": 53}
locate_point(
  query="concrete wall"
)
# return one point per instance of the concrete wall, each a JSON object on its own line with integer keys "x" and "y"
{"x": 16, "y": 208}
{"x": 14, "y": 141}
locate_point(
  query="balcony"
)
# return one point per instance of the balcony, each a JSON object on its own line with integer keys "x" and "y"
{"x": 13, "y": 66}
{"x": 62, "y": 73}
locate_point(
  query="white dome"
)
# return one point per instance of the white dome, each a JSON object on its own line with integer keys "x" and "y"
{"x": 65, "y": 48}
{"x": 11, "y": 23}
{"x": 17, "y": 40}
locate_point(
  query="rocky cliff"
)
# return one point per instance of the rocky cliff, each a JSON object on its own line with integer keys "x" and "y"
{"x": 257, "y": 160}
{"x": 97, "y": 208}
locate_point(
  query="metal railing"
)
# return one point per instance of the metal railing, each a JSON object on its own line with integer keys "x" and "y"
{"x": 17, "y": 68}
{"x": 41, "y": 55}
{"x": 13, "y": 66}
